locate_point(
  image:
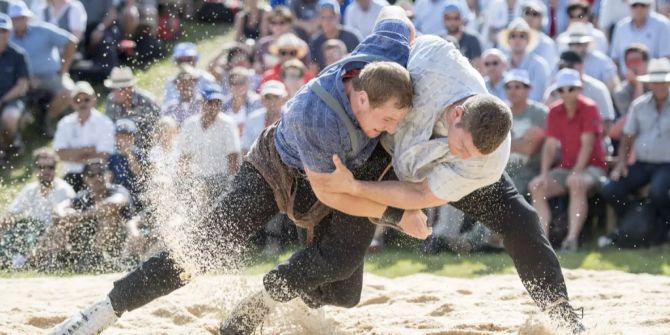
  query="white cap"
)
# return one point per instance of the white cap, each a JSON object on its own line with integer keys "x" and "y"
{"x": 517, "y": 75}
{"x": 82, "y": 87}
{"x": 567, "y": 78}
{"x": 185, "y": 49}
{"x": 658, "y": 71}
{"x": 18, "y": 9}
{"x": 5, "y": 22}
{"x": 274, "y": 87}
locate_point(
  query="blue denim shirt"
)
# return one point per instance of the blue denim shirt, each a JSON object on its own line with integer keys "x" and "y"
{"x": 310, "y": 132}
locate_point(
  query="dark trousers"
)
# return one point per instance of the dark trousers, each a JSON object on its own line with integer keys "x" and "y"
{"x": 76, "y": 180}
{"x": 330, "y": 271}
{"x": 618, "y": 194}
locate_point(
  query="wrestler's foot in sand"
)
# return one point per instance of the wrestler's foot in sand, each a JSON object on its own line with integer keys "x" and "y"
{"x": 248, "y": 314}
{"x": 566, "y": 317}
{"x": 91, "y": 321}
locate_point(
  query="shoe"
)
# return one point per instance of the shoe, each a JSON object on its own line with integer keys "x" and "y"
{"x": 569, "y": 246}
{"x": 433, "y": 245}
{"x": 91, "y": 321}
{"x": 248, "y": 314}
{"x": 566, "y": 317}
{"x": 376, "y": 245}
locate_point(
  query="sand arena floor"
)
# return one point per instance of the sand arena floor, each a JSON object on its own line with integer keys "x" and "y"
{"x": 613, "y": 302}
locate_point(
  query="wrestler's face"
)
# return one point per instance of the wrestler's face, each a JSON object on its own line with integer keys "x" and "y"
{"x": 384, "y": 118}
{"x": 459, "y": 139}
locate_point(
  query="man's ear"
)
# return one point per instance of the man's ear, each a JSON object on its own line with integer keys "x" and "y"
{"x": 363, "y": 99}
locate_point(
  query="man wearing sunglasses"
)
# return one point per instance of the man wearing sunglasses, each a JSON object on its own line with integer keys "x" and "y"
{"x": 30, "y": 213}
{"x": 83, "y": 135}
{"x": 574, "y": 125}
{"x": 329, "y": 21}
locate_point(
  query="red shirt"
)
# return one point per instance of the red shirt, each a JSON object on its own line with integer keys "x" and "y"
{"x": 568, "y": 131}
{"x": 275, "y": 74}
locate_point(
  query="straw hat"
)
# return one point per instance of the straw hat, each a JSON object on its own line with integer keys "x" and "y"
{"x": 578, "y": 32}
{"x": 289, "y": 41}
{"x": 659, "y": 71}
{"x": 121, "y": 77}
{"x": 519, "y": 25}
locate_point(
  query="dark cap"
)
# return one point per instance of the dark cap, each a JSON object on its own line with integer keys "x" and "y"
{"x": 571, "y": 57}
{"x": 94, "y": 166}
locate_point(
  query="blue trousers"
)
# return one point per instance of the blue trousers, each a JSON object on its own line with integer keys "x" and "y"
{"x": 619, "y": 193}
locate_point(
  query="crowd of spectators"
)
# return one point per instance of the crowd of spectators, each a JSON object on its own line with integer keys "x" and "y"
{"x": 587, "y": 81}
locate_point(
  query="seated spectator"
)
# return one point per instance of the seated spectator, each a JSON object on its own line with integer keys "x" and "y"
{"x": 596, "y": 64}
{"x": 454, "y": 23}
{"x": 520, "y": 40}
{"x": 428, "y": 16}
{"x": 29, "y": 214}
{"x": 83, "y": 135}
{"x": 128, "y": 18}
{"x": 530, "y": 118}
{"x": 642, "y": 26}
{"x": 580, "y": 11}
{"x": 188, "y": 98}
{"x": 287, "y": 47}
{"x": 241, "y": 101}
{"x": 280, "y": 21}
{"x": 333, "y": 50}
{"x": 636, "y": 58}
{"x": 126, "y": 164}
{"x": 162, "y": 158}
{"x": 233, "y": 55}
{"x": 186, "y": 53}
{"x": 306, "y": 15}
{"x": 49, "y": 67}
{"x": 273, "y": 95}
{"x": 126, "y": 101}
{"x": 495, "y": 65}
{"x": 293, "y": 76}
{"x": 13, "y": 88}
{"x": 209, "y": 148}
{"x": 361, "y": 15}
{"x": 534, "y": 12}
{"x": 329, "y": 21}
{"x": 647, "y": 133}
{"x": 88, "y": 231}
{"x": 102, "y": 34}
{"x": 69, "y": 15}
{"x": 592, "y": 88}
{"x": 574, "y": 125}
{"x": 250, "y": 22}
{"x": 611, "y": 12}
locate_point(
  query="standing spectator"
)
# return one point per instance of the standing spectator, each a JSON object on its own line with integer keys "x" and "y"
{"x": 333, "y": 50}
{"x": 126, "y": 164}
{"x": 42, "y": 43}
{"x": 329, "y": 21}
{"x": 83, "y": 135}
{"x": 30, "y": 213}
{"x": 102, "y": 35}
{"x": 495, "y": 65}
{"x": 273, "y": 95}
{"x": 520, "y": 40}
{"x": 611, "y": 12}
{"x": 129, "y": 102}
{"x": 454, "y": 23}
{"x": 573, "y": 125}
{"x": 647, "y": 131}
{"x": 186, "y": 54}
{"x": 188, "y": 100}
{"x": 527, "y": 130}
{"x": 534, "y": 12}
{"x": 596, "y": 63}
{"x": 250, "y": 22}
{"x": 362, "y": 14}
{"x": 642, "y": 26}
{"x": 69, "y": 15}
{"x": 580, "y": 11}
{"x": 293, "y": 76}
{"x": 241, "y": 101}
{"x": 636, "y": 58}
{"x": 89, "y": 230}
{"x": 13, "y": 87}
{"x": 287, "y": 47}
{"x": 209, "y": 147}
{"x": 306, "y": 15}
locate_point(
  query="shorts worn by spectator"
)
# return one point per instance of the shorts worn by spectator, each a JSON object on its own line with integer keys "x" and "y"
{"x": 454, "y": 25}
{"x": 494, "y": 62}
{"x": 13, "y": 88}
{"x": 329, "y": 22}
{"x": 29, "y": 214}
{"x": 83, "y": 135}
{"x": 596, "y": 63}
{"x": 89, "y": 230}
{"x": 647, "y": 131}
{"x": 242, "y": 100}
{"x": 188, "y": 100}
{"x": 573, "y": 124}
{"x": 69, "y": 15}
{"x": 129, "y": 102}
{"x": 127, "y": 163}
{"x": 273, "y": 96}
{"x": 50, "y": 51}
{"x": 360, "y": 15}
{"x": 185, "y": 55}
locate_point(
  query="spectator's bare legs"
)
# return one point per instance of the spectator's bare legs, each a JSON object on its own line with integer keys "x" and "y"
{"x": 541, "y": 190}
{"x": 9, "y": 126}
{"x": 578, "y": 186}
{"x": 378, "y": 239}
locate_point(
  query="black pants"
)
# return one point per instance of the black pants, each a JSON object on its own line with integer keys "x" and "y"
{"x": 328, "y": 272}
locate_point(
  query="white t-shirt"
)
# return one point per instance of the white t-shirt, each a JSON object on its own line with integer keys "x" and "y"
{"x": 97, "y": 131}
{"x": 30, "y": 203}
{"x": 208, "y": 148}
{"x": 441, "y": 76}
{"x": 76, "y": 15}
{"x": 363, "y": 21}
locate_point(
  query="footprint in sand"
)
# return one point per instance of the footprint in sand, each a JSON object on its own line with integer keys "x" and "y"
{"x": 382, "y": 299}
{"x": 178, "y": 317}
{"x": 442, "y": 310}
{"x": 45, "y": 322}
{"x": 200, "y": 310}
{"x": 464, "y": 292}
{"x": 422, "y": 299}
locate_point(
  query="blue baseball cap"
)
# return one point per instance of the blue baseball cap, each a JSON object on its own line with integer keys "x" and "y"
{"x": 213, "y": 93}
{"x": 452, "y": 7}
{"x": 330, "y": 4}
{"x": 185, "y": 49}
{"x": 5, "y": 22}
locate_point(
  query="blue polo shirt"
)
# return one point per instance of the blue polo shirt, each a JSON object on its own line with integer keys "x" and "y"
{"x": 309, "y": 132}
{"x": 13, "y": 66}
{"x": 42, "y": 42}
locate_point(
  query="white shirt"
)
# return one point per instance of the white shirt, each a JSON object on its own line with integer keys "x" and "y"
{"x": 97, "y": 131}
{"x": 441, "y": 76}
{"x": 76, "y": 15}
{"x": 30, "y": 203}
{"x": 653, "y": 34}
{"x": 208, "y": 148}
{"x": 363, "y": 21}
